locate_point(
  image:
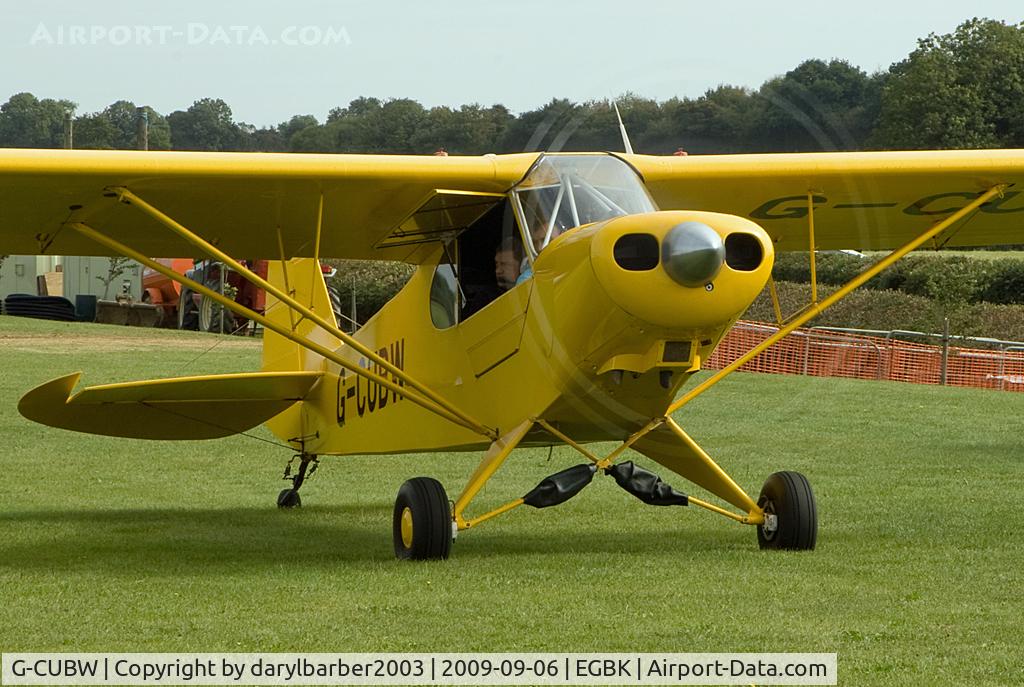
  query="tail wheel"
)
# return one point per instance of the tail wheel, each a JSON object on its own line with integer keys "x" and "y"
{"x": 422, "y": 522}
{"x": 289, "y": 498}
{"x": 791, "y": 515}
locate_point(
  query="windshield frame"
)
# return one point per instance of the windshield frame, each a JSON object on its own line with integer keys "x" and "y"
{"x": 566, "y": 207}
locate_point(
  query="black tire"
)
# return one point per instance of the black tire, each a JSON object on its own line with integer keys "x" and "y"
{"x": 788, "y": 496}
{"x": 187, "y": 316}
{"x": 289, "y": 498}
{"x": 427, "y": 530}
{"x": 213, "y": 317}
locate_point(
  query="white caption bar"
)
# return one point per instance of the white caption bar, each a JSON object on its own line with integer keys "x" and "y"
{"x": 418, "y": 669}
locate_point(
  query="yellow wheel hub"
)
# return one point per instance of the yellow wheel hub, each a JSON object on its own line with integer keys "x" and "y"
{"x": 407, "y": 528}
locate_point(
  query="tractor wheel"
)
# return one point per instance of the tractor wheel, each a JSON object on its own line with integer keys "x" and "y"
{"x": 187, "y": 316}
{"x": 214, "y": 317}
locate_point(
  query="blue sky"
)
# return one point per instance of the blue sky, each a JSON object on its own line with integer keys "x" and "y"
{"x": 270, "y": 60}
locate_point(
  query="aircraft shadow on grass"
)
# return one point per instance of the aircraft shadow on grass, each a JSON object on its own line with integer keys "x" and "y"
{"x": 156, "y": 541}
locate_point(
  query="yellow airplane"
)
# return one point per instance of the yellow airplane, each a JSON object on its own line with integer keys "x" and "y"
{"x": 558, "y": 298}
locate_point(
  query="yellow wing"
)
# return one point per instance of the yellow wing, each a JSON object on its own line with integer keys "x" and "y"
{"x": 205, "y": 407}
{"x": 239, "y": 200}
{"x": 862, "y": 201}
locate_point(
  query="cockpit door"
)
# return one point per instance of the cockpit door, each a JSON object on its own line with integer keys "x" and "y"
{"x": 494, "y": 333}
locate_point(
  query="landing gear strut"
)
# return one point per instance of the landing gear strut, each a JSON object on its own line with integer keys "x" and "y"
{"x": 289, "y": 498}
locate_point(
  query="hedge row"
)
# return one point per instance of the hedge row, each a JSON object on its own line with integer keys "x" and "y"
{"x": 889, "y": 310}
{"x": 374, "y": 282}
{"x": 949, "y": 279}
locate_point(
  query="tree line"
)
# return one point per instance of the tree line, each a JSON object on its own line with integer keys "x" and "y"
{"x": 963, "y": 89}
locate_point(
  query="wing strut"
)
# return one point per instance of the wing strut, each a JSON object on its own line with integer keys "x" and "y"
{"x": 384, "y": 380}
{"x": 812, "y": 311}
{"x": 811, "y": 247}
{"x": 129, "y": 198}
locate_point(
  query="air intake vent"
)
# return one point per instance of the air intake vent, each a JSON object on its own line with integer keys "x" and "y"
{"x": 743, "y": 252}
{"x": 676, "y": 352}
{"x": 637, "y": 252}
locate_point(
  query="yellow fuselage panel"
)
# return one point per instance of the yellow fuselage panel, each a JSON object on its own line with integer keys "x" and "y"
{"x": 582, "y": 344}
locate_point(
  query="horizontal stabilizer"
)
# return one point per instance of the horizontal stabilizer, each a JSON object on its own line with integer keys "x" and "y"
{"x": 205, "y": 407}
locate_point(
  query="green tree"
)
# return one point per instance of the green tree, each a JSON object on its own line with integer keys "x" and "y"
{"x": 360, "y": 107}
{"x": 348, "y": 129}
{"x": 368, "y": 125}
{"x": 94, "y": 131}
{"x": 397, "y": 127}
{"x": 546, "y": 128}
{"x": 469, "y": 130}
{"x": 597, "y": 128}
{"x": 267, "y": 140}
{"x": 723, "y": 120}
{"x": 959, "y": 90}
{"x": 27, "y": 122}
{"x": 124, "y": 115}
{"x": 206, "y": 125}
{"x": 288, "y": 130}
{"x": 314, "y": 139}
{"x": 117, "y": 127}
{"x": 818, "y": 106}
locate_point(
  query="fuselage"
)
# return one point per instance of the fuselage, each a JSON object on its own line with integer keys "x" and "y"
{"x": 608, "y": 321}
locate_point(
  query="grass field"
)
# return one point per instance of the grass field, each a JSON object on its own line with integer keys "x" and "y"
{"x": 115, "y": 545}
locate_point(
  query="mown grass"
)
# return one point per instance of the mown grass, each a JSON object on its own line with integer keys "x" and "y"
{"x": 115, "y": 545}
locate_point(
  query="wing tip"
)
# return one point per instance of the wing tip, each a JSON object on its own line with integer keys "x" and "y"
{"x": 44, "y": 403}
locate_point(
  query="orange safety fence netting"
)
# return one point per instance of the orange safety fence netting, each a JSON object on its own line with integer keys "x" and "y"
{"x": 823, "y": 353}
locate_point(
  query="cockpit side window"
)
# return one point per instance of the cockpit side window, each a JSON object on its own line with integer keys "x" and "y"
{"x": 490, "y": 258}
{"x": 444, "y": 291}
{"x": 486, "y": 260}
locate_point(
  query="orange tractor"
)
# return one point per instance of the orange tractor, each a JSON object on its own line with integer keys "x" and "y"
{"x": 182, "y": 308}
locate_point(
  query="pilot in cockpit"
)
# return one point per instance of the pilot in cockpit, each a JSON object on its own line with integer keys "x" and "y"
{"x": 508, "y": 262}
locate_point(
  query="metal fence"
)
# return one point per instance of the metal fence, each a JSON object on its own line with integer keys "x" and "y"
{"x": 872, "y": 354}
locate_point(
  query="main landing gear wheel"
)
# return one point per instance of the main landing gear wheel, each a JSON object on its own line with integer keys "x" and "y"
{"x": 422, "y": 522}
{"x": 791, "y": 516}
